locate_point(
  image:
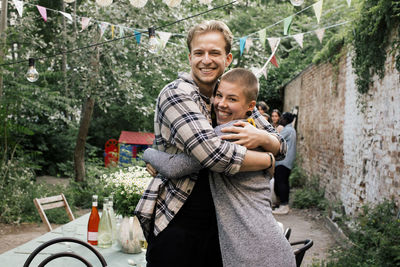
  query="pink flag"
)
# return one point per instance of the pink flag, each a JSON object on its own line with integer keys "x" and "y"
{"x": 43, "y": 12}
{"x": 85, "y": 22}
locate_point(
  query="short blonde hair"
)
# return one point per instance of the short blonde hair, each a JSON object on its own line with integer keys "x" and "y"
{"x": 211, "y": 26}
{"x": 245, "y": 79}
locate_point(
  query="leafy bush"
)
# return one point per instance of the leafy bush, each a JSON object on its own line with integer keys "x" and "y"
{"x": 297, "y": 176}
{"x": 310, "y": 196}
{"x": 374, "y": 240}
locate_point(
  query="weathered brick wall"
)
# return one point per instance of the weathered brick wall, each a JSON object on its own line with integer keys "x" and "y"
{"x": 350, "y": 141}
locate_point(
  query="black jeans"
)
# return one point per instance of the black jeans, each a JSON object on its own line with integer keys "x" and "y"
{"x": 191, "y": 238}
{"x": 282, "y": 187}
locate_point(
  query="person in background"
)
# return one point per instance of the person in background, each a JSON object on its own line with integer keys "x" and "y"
{"x": 284, "y": 167}
{"x": 263, "y": 108}
{"x": 275, "y": 116}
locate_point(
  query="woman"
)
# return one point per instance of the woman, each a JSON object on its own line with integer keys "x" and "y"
{"x": 275, "y": 116}
{"x": 263, "y": 108}
{"x": 284, "y": 167}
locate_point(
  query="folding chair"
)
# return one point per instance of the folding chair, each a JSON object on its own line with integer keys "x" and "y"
{"x": 287, "y": 233}
{"x": 299, "y": 252}
{"x": 47, "y": 203}
{"x": 64, "y": 254}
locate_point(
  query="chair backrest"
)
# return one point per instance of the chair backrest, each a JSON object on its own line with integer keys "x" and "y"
{"x": 287, "y": 233}
{"x": 52, "y": 202}
{"x": 299, "y": 252}
{"x": 64, "y": 254}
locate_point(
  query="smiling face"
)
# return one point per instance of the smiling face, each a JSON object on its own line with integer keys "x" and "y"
{"x": 208, "y": 60}
{"x": 230, "y": 102}
{"x": 275, "y": 117}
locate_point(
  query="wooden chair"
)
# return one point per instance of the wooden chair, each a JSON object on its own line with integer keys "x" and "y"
{"x": 52, "y": 202}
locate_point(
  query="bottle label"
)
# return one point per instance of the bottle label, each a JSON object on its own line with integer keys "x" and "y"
{"x": 92, "y": 236}
{"x": 94, "y": 204}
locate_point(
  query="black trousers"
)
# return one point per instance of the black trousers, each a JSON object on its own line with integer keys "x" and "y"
{"x": 191, "y": 238}
{"x": 282, "y": 187}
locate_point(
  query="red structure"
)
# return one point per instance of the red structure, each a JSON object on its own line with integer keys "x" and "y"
{"x": 111, "y": 153}
{"x": 130, "y": 143}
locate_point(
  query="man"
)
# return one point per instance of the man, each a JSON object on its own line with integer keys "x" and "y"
{"x": 178, "y": 216}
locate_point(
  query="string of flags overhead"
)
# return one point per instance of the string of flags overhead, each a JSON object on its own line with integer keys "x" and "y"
{"x": 245, "y": 42}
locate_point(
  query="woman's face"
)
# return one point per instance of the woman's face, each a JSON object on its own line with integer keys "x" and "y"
{"x": 261, "y": 110}
{"x": 230, "y": 103}
{"x": 275, "y": 117}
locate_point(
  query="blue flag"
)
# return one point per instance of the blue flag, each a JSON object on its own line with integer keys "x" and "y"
{"x": 138, "y": 35}
{"x": 242, "y": 44}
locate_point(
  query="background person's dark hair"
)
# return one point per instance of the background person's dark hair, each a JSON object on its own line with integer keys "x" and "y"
{"x": 277, "y": 111}
{"x": 263, "y": 106}
{"x": 286, "y": 118}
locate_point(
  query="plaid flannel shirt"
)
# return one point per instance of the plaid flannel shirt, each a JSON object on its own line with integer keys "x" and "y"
{"x": 182, "y": 123}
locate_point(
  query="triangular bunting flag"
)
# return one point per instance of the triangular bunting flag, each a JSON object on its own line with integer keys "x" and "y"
{"x": 43, "y": 12}
{"x": 349, "y": 3}
{"x": 85, "y": 23}
{"x": 138, "y": 3}
{"x": 67, "y": 15}
{"x": 320, "y": 34}
{"x": 286, "y": 25}
{"x": 256, "y": 71}
{"x": 249, "y": 43}
{"x": 263, "y": 35}
{"x": 318, "y": 9}
{"x": 138, "y": 35}
{"x": 122, "y": 34}
{"x": 242, "y": 44}
{"x": 103, "y": 26}
{"x": 164, "y": 37}
{"x": 299, "y": 38}
{"x": 19, "y": 5}
{"x": 112, "y": 31}
{"x": 274, "y": 62}
{"x": 205, "y": 2}
{"x": 172, "y": 3}
{"x": 273, "y": 43}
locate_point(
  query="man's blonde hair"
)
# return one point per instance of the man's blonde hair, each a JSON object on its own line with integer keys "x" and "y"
{"x": 245, "y": 79}
{"x": 211, "y": 26}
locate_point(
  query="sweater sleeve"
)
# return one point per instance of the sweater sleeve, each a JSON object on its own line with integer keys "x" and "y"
{"x": 171, "y": 165}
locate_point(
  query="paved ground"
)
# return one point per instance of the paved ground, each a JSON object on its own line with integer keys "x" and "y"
{"x": 305, "y": 224}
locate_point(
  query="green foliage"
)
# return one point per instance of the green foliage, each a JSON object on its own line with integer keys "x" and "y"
{"x": 310, "y": 196}
{"x": 371, "y": 38}
{"x": 374, "y": 240}
{"x": 297, "y": 177}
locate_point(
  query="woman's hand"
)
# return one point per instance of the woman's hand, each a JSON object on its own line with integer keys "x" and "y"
{"x": 150, "y": 169}
{"x": 245, "y": 134}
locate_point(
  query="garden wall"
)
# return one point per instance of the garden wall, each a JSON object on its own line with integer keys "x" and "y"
{"x": 349, "y": 140}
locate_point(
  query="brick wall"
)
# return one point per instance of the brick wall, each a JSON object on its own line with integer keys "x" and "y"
{"x": 350, "y": 141}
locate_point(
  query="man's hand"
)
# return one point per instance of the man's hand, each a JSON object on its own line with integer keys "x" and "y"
{"x": 153, "y": 172}
{"x": 245, "y": 134}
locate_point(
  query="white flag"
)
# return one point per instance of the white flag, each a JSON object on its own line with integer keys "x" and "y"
{"x": 67, "y": 15}
{"x": 249, "y": 43}
{"x": 318, "y": 9}
{"x": 320, "y": 34}
{"x": 103, "y": 26}
{"x": 19, "y": 5}
{"x": 85, "y": 23}
{"x": 265, "y": 72}
{"x": 273, "y": 42}
{"x": 164, "y": 37}
{"x": 349, "y": 3}
{"x": 299, "y": 38}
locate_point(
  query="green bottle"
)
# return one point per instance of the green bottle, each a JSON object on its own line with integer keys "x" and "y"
{"x": 105, "y": 236}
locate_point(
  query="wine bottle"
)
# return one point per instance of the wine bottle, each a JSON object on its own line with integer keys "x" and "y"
{"x": 93, "y": 224}
{"x": 105, "y": 227}
{"x": 113, "y": 219}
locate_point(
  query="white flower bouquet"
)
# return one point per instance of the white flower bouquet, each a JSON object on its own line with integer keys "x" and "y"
{"x": 127, "y": 186}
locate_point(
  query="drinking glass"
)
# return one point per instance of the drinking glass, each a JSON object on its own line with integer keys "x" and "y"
{"x": 68, "y": 230}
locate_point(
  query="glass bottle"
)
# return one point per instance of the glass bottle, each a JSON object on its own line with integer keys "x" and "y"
{"x": 93, "y": 223}
{"x": 113, "y": 218}
{"x": 105, "y": 227}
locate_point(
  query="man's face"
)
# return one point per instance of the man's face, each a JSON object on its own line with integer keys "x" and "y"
{"x": 230, "y": 102}
{"x": 208, "y": 60}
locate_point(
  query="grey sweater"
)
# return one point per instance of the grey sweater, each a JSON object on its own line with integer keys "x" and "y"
{"x": 249, "y": 234}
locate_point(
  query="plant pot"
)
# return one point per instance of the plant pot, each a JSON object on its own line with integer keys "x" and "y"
{"x": 130, "y": 235}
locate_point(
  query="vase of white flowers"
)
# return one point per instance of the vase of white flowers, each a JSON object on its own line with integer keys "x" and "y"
{"x": 127, "y": 186}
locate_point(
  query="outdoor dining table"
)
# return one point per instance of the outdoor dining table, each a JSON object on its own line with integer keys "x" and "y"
{"x": 114, "y": 257}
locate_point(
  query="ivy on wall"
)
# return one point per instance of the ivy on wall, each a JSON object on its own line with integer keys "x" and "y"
{"x": 371, "y": 37}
